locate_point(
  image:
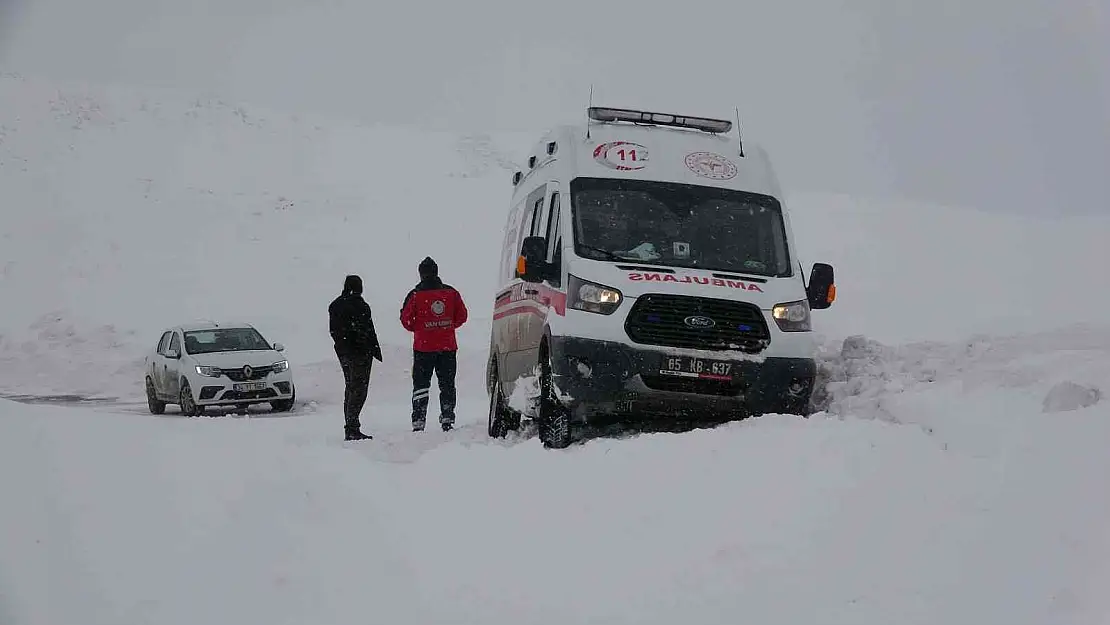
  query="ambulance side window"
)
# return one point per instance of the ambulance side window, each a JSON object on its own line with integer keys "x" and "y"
{"x": 512, "y": 229}
{"x": 537, "y": 217}
{"x": 554, "y": 242}
{"x": 552, "y": 221}
{"x": 530, "y": 220}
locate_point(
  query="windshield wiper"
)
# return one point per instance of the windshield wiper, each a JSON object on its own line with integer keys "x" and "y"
{"x": 606, "y": 253}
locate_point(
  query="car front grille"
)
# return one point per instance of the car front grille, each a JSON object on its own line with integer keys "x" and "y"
{"x": 658, "y": 319}
{"x": 257, "y": 373}
{"x": 245, "y": 395}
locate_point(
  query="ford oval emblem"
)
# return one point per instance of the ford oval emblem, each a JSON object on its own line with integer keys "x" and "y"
{"x": 697, "y": 321}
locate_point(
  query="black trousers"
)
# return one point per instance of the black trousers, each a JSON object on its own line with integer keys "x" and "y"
{"x": 356, "y": 375}
{"x": 443, "y": 365}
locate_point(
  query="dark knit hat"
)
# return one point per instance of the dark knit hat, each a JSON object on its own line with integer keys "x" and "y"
{"x": 352, "y": 284}
{"x": 428, "y": 268}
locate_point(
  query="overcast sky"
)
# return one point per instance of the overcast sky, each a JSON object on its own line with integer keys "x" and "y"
{"x": 1000, "y": 104}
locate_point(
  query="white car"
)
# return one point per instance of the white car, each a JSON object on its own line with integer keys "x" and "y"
{"x": 217, "y": 364}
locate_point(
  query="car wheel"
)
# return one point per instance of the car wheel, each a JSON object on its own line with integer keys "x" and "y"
{"x": 188, "y": 405}
{"x": 498, "y": 425}
{"x": 156, "y": 405}
{"x": 284, "y": 405}
{"x": 553, "y": 418}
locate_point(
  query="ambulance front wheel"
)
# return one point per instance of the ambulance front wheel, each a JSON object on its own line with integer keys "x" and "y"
{"x": 502, "y": 419}
{"x": 552, "y": 418}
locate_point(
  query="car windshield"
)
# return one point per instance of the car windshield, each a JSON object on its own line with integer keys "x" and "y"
{"x": 679, "y": 225}
{"x": 224, "y": 340}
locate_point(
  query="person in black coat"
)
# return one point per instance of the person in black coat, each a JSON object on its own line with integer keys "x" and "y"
{"x": 356, "y": 345}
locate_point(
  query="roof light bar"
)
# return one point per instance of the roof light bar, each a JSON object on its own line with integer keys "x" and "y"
{"x": 715, "y": 126}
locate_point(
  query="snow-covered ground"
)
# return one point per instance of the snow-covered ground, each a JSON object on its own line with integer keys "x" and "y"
{"x": 958, "y": 474}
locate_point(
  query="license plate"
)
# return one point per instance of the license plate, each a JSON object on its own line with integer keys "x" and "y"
{"x": 250, "y": 386}
{"x": 697, "y": 368}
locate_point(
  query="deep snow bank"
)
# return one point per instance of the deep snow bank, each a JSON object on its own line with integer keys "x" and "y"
{"x": 1068, "y": 368}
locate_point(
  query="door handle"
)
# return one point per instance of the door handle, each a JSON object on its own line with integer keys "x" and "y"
{"x": 531, "y": 292}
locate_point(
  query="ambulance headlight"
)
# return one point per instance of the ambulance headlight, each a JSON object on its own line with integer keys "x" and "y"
{"x": 792, "y": 316}
{"x": 592, "y": 297}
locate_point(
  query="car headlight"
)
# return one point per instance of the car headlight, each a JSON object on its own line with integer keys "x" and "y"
{"x": 792, "y": 316}
{"x": 209, "y": 372}
{"x": 592, "y": 297}
{"x": 280, "y": 366}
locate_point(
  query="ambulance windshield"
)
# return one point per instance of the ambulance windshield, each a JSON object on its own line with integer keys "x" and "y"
{"x": 679, "y": 225}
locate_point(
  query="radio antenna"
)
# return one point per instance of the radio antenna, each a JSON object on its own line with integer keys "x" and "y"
{"x": 588, "y": 110}
{"x": 739, "y": 135}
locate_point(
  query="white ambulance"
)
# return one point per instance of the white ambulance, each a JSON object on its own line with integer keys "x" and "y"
{"x": 649, "y": 268}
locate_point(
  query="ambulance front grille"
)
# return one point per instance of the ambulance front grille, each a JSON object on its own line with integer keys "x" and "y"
{"x": 658, "y": 319}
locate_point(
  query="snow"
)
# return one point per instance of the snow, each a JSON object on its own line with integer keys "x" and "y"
{"x": 1067, "y": 396}
{"x": 956, "y": 473}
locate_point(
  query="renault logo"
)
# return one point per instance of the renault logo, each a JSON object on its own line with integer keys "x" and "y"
{"x": 247, "y": 371}
{"x": 698, "y": 321}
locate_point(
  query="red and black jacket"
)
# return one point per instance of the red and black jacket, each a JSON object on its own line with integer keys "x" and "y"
{"x": 432, "y": 311}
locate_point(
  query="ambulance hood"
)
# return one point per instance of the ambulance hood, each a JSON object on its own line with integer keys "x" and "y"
{"x": 634, "y": 280}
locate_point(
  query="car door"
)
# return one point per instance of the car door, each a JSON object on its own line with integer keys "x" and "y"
{"x": 158, "y": 364}
{"x": 530, "y": 324}
{"x": 172, "y": 370}
{"x": 544, "y": 296}
{"x": 504, "y": 319}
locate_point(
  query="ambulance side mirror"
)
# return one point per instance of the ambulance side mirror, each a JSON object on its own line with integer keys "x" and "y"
{"x": 531, "y": 266}
{"x": 821, "y": 291}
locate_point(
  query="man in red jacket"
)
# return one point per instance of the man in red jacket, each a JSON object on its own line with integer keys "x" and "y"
{"x": 432, "y": 311}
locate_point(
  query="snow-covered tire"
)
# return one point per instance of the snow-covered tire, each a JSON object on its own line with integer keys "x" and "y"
{"x": 155, "y": 405}
{"x": 553, "y": 419}
{"x": 501, "y": 418}
{"x": 189, "y": 407}
{"x": 285, "y": 405}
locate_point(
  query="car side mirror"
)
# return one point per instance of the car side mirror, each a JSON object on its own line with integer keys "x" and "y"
{"x": 531, "y": 266}
{"x": 279, "y": 347}
{"x": 821, "y": 291}
{"x": 172, "y": 353}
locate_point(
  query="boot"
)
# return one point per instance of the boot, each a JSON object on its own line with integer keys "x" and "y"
{"x": 355, "y": 435}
